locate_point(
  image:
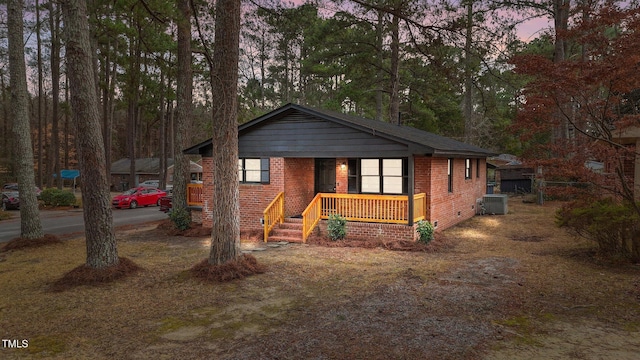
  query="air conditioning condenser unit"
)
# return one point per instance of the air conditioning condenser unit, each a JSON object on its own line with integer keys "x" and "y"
{"x": 495, "y": 204}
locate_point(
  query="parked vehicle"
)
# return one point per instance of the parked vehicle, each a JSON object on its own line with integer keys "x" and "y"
{"x": 10, "y": 187}
{"x": 150, "y": 183}
{"x": 11, "y": 196}
{"x": 140, "y": 196}
{"x": 10, "y": 200}
{"x": 13, "y": 187}
{"x": 156, "y": 184}
{"x": 166, "y": 203}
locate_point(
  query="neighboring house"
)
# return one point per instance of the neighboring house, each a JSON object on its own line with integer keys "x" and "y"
{"x": 383, "y": 178}
{"x": 195, "y": 172}
{"x": 510, "y": 176}
{"x": 146, "y": 169}
{"x": 630, "y": 136}
{"x": 515, "y": 179}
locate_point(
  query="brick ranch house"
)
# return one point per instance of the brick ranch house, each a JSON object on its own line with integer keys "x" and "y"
{"x": 297, "y": 165}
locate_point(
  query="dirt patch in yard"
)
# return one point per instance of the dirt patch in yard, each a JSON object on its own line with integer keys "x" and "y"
{"x": 498, "y": 287}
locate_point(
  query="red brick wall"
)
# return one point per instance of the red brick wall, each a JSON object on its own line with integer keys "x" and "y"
{"x": 254, "y": 198}
{"x": 358, "y": 230}
{"x": 298, "y": 184}
{"x": 342, "y": 176}
{"x": 448, "y": 209}
{"x": 422, "y": 174}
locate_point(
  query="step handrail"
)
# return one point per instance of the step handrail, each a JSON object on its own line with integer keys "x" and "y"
{"x": 273, "y": 214}
{"x": 311, "y": 216}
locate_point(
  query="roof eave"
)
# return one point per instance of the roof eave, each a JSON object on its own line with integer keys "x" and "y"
{"x": 195, "y": 149}
{"x": 448, "y": 153}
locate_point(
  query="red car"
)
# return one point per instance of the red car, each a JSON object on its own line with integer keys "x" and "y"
{"x": 140, "y": 196}
{"x": 165, "y": 203}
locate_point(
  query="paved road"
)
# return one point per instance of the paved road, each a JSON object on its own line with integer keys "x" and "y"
{"x": 72, "y": 222}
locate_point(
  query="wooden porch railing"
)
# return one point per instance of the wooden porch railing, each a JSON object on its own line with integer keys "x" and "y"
{"x": 311, "y": 215}
{"x": 354, "y": 207}
{"x": 194, "y": 195}
{"x": 273, "y": 214}
{"x": 363, "y": 208}
{"x": 419, "y": 207}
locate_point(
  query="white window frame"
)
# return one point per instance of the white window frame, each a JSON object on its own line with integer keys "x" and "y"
{"x": 251, "y": 171}
{"x": 382, "y": 176}
{"x": 468, "y": 172}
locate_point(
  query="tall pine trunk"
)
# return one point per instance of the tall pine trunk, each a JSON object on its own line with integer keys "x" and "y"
{"x": 162, "y": 135}
{"x": 133, "y": 97}
{"x": 380, "y": 64}
{"x": 394, "y": 101}
{"x": 96, "y": 202}
{"x": 184, "y": 97}
{"x": 30, "y": 225}
{"x": 225, "y": 232}
{"x": 467, "y": 103}
{"x": 54, "y": 25}
{"x": 43, "y": 167}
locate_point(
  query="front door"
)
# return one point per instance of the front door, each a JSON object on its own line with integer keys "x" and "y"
{"x": 325, "y": 177}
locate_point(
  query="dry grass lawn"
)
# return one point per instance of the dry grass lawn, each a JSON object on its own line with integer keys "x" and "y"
{"x": 508, "y": 287}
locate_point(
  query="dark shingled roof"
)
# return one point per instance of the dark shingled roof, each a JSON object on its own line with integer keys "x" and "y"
{"x": 424, "y": 142}
{"x": 147, "y": 166}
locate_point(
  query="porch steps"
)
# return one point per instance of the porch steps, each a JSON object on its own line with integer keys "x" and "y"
{"x": 290, "y": 230}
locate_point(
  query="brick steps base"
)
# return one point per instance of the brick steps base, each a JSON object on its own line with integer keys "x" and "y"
{"x": 290, "y": 230}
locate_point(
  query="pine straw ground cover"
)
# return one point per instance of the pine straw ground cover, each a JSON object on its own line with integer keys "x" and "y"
{"x": 507, "y": 287}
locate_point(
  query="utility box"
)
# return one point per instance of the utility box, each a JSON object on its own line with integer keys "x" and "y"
{"x": 495, "y": 204}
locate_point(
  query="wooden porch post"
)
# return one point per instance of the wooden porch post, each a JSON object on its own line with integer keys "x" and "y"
{"x": 410, "y": 189}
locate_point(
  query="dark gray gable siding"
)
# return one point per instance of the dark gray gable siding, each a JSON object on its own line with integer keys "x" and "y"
{"x": 297, "y": 131}
{"x": 423, "y": 142}
{"x": 301, "y": 135}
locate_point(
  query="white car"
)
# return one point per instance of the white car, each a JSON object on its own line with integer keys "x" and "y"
{"x": 150, "y": 183}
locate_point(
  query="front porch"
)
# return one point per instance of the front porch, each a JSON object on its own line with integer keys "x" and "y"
{"x": 383, "y": 209}
{"x": 393, "y": 214}
{"x": 355, "y": 208}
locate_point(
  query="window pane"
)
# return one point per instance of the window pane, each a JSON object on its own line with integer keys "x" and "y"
{"x": 353, "y": 185}
{"x": 370, "y": 184}
{"x": 450, "y": 174}
{"x": 240, "y": 170}
{"x": 467, "y": 168}
{"x": 252, "y": 164}
{"x": 392, "y": 167}
{"x": 252, "y": 170}
{"x": 353, "y": 167}
{"x": 252, "y": 176}
{"x": 393, "y": 185}
{"x": 369, "y": 167}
